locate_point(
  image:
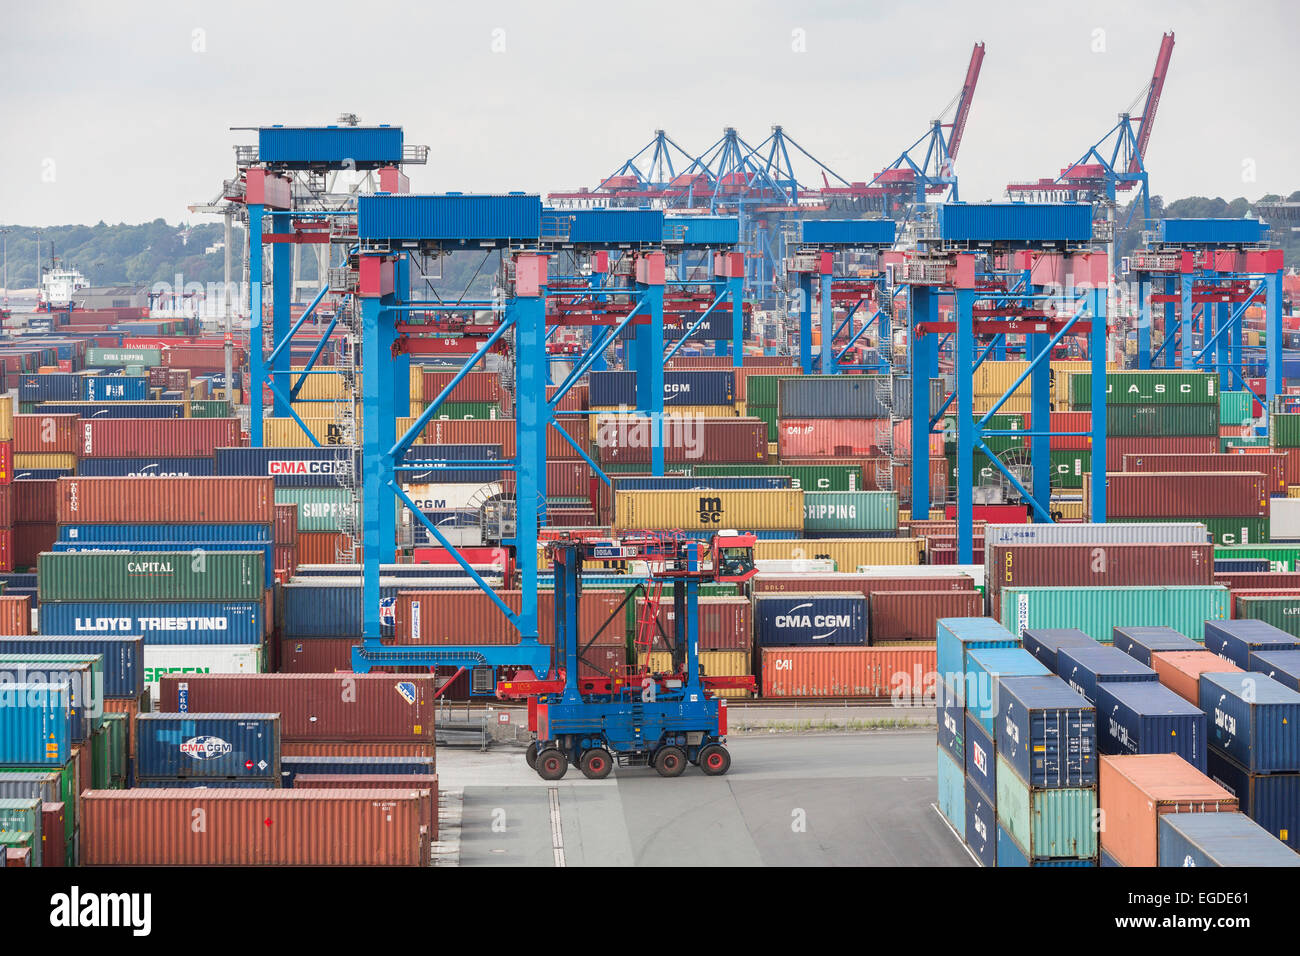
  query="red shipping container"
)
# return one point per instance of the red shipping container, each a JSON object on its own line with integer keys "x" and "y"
{"x": 1097, "y": 565}
{"x": 45, "y": 434}
{"x": 130, "y": 707}
{"x": 8, "y": 550}
{"x": 556, "y": 445}
{"x": 1290, "y": 459}
{"x": 725, "y": 623}
{"x": 686, "y": 440}
{"x": 321, "y": 547}
{"x": 286, "y": 524}
{"x": 352, "y": 707}
{"x": 15, "y": 611}
{"x": 1259, "y": 580}
{"x": 1117, "y": 448}
{"x": 204, "y": 358}
{"x": 575, "y": 399}
{"x": 835, "y": 438}
{"x": 568, "y": 479}
{"x": 1202, "y": 495}
{"x": 6, "y": 462}
{"x": 24, "y": 543}
{"x": 903, "y": 674}
{"x": 864, "y": 584}
{"x": 148, "y": 827}
{"x": 1274, "y": 467}
{"x": 570, "y": 517}
{"x": 914, "y": 615}
{"x": 494, "y": 431}
{"x": 286, "y": 558}
{"x": 316, "y": 655}
{"x": 166, "y": 500}
{"x": 35, "y": 502}
{"x": 335, "y": 748}
{"x": 53, "y": 850}
{"x": 6, "y": 505}
{"x": 147, "y": 437}
{"x": 452, "y": 617}
{"x": 425, "y": 783}
{"x": 474, "y": 387}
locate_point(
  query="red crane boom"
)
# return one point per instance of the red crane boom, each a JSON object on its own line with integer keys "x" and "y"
{"x": 965, "y": 98}
{"x": 1153, "y": 99}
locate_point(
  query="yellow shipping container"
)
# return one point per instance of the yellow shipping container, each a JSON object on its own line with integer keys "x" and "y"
{"x": 287, "y": 433}
{"x": 993, "y": 378}
{"x": 1071, "y": 509}
{"x": 1293, "y": 491}
{"x": 1252, "y": 337}
{"x": 1015, "y": 405}
{"x": 319, "y": 385}
{"x": 324, "y": 411}
{"x": 45, "y": 460}
{"x": 6, "y": 417}
{"x": 614, "y": 416}
{"x": 847, "y": 553}
{"x": 766, "y": 510}
{"x": 417, "y": 408}
{"x": 712, "y": 664}
{"x": 416, "y": 391}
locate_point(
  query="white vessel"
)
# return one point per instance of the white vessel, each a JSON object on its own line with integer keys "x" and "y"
{"x": 59, "y": 286}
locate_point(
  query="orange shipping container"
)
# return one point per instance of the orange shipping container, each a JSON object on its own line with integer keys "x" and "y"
{"x": 166, "y": 501}
{"x": 904, "y": 674}
{"x": 16, "y": 614}
{"x": 1135, "y": 790}
{"x": 1181, "y": 671}
{"x": 6, "y": 505}
{"x": 45, "y": 434}
{"x": 426, "y": 784}
{"x": 7, "y": 550}
{"x": 129, "y": 706}
{"x": 483, "y": 431}
{"x": 321, "y": 547}
{"x": 253, "y": 828}
{"x": 332, "y": 748}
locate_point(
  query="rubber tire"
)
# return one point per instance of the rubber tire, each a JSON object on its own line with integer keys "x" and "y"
{"x": 599, "y": 756}
{"x": 552, "y": 764}
{"x": 530, "y": 755}
{"x": 714, "y": 760}
{"x": 670, "y": 762}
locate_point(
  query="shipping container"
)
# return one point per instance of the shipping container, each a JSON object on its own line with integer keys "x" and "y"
{"x": 208, "y": 747}
{"x": 1213, "y": 494}
{"x": 850, "y": 396}
{"x": 143, "y": 437}
{"x": 1145, "y": 717}
{"x": 1046, "y": 644}
{"x": 952, "y": 792}
{"x": 1219, "y": 839}
{"x": 1274, "y": 467}
{"x": 957, "y": 637}
{"x": 1046, "y": 823}
{"x": 1085, "y": 669}
{"x": 849, "y": 554}
{"x": 914, "y": 615}
{"x": 175, "y": 622}
{"x": 165, "y": 500}
{"x": 850, "y": 511}
{"x": 1137, "y": 790}
{"x": 985, "y": 669}
{"x": 1143, "y": 643}
{"x": 1235, "y": 641}
{"x": 246, "y": 828}
{"x": 723, "y": 623}
{"x": 37, "y": 729}
{"x": 1093, "y": 565}
{"x": 1010, "y": 855}
{"x": 742, "y": 510}
{"x": 144, "y": 468}
{"x": 865, "y": 584}
{"x": 803, "y": 476}
{"x": 950, "y": 715}
{"x": 1281, "y": 611}
{"x": 1148, "y": 388}
{"x": 980, "y": 757}
{"x": 813, "y": 619}
{"x": 425, "y": 784}
{"x": 1098, "y": 610}
{"x": 352, "y": 707}
{"x": 199, "y": 575}
{"x": 1181, "y": 671}
{"x": 24, "y": 815}
{"x": 896, "y": 673}
{"x": 445, "y": 617}
{"x": 1162, "y": 421}
{"x": 290, "y": 467}
{"x": 1281, "y": 666}
{"x": 418, "y": 765}
{"x": 981, "y": 826}
{"x": 1254, "y": 720}
{"x": 1047, "y": 732}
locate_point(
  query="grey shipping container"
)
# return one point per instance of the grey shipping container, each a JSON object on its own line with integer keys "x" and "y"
{"x": 1218, "y": 839}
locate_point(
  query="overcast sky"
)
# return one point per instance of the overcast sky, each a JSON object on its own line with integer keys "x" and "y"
{"x": 126, "y": 106}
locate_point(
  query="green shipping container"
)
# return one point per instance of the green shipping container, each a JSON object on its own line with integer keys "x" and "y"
{"x": 850, "y": 511}
{"x": 1285, "y": 429}
{"x": 1281, "y": 557}
{"x": 21, "y": 840}
{"x": 99, "y": 762}
{"x": 1148, "y": 388}
{"x": 118, "y": 726}
{"x": 1069, "y": 467}
{"x": 1097, "y": 610}
{"x": 23, "y": 816}
{"x": 209, "y": 408}
{"x": 1055, "y": 823}
{"x": 1235, "y": 408}
{"x": 474, "y": 410}
{"x": 1172, "y": 421}
{"x": 114, "y": 358}
{"x": 998, "y": 444}
{"x": 1245, "y": 441}
{"x": 761, "y": 391}
{"x": 320, "y": 509}
{"x": 768, "y": 414}
{"x": 1281, "y": 612}
{"x": 152, "y": 576}
{"x": 67, "y": 794}
{"x": 1223, "y": 531}
{"x": 806, "y": 477}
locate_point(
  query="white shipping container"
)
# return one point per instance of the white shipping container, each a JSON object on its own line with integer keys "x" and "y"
{"x": 198, "y": 659}
{"x": 1284, "y": 519}
{"x": 452, "y": 497}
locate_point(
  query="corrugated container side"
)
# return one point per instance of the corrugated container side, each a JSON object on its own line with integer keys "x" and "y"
{"x": 1147, "y": 718}
{"x": 1254, "y": 721}
{"x": 1218, "y": 839}
{"x": 888, "y": 672}
{"x": 799, "y": 620}
{"x": 208, "y": 746}
{"x": 166, "y": 500}
{"x": 1046, "y": 823}
{"x": 1098, "y": 610}
{"x": 913, "y": 615}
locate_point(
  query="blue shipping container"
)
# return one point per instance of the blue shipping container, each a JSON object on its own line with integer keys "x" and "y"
{"x": 1270, "y": 799}
{"x": 41, "y": 474}
{"x": 1045, "y": 643}
{"x": 1140, "y": 643}
{"x": 1047, "y": 732}
{"x": 37, "y": 726}
{"x": 1253, "y": 719}
{"x": 290, "y": 767}
{"x": 178, "y": 622}
{"x": 848, "y": 232}
{"x": 981, "y": 763}
{"x": 951, "y": 717}
{"x": 707, "y": 387}
{"x": 1241, "y": 565}
{"x": 1084, "y": 668}
{"x": 605, "y": 227}
{"x": 1010, "y": 855}
{"x": 704, "y": 230}
{"x": 50, "y": 387}
{"x": 196, "y": 534}
{"x": 1212, "y": 231}
{"x": 700, "y": 482}
{"x": 360, "y": 146}
{"x": 174, "y": 746}
{"x": 981, "y": 826}
{"x": 810, "y": 620}
{"x": 1015, "y": 222}
{"x": 331, "y": 606}
{"x": 1236, "y": 640}
{"x": 123, "y": 658}
{"x": 290, "y": 467}
{"x": 102, "y": 410}
{"x": 456, "y": 219}
{"x": 202, "y": 783}
{"x": 1282, "y": 666}
{"x": 952, "y": 792}
{"x": 442, "y": 474}
{"x": 114, "y": 388}
{"x": 1146, "y": 717}
{"x": 144, "y": 467}
{"x": 984, "y": 668}
{"x": 958, "y": 635}
{"x": 1218, "y": 839}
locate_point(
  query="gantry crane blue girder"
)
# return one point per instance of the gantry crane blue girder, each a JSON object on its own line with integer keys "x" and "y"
{"x": 1001, "y": 235}
{"x": 389, "y": 228}
{"x": 268, "y": 195}
{"x": 1206, "y": 273}
{"x": 820, "y": 239}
